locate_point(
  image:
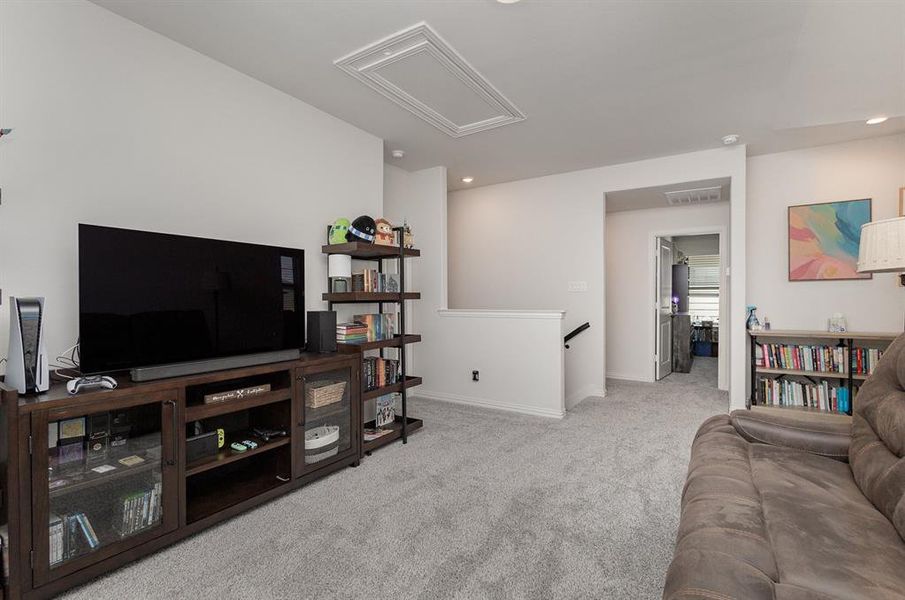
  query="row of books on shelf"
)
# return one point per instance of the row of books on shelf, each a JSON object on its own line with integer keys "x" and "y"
{"x": 823, "y": 359}
{"x": 822, "y": 396}
{"x": 378, "y": 372}
{"x": 141, "y": 510}
{"x": 368, "y": 328}
{"x": 72, "y": 534}
{"x": 371, "y": 280}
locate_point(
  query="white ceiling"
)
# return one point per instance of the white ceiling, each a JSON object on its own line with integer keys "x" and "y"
{"x": 600, "y": 82}
{"x": 655, "y": 197}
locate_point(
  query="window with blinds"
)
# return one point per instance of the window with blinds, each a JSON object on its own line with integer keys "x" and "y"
{"x": 704, "y": 287}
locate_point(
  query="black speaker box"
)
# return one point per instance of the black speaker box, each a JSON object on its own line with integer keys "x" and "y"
{"x": 321, "y": 331}
{"x": 201, "y": 446}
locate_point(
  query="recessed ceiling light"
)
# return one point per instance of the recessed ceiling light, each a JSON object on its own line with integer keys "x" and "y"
{"x": 876, "y": 120}
{"x": 398, "y": 153}
{"x": 730, "y": 139}
{"x": 469, "y": 179}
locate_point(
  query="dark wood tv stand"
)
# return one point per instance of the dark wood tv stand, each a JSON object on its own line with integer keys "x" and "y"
{"x": 73, "y": 514}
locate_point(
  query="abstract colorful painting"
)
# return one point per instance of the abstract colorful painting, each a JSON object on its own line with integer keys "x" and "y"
{"x": 824, "y": 239}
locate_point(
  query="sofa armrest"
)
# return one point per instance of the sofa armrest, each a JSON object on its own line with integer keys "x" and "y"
{"x": 822, "y": 434}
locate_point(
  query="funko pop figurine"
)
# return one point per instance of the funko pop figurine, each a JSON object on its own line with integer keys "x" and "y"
{"x": 384, "y": 235}
{"x": 338, "y": 231}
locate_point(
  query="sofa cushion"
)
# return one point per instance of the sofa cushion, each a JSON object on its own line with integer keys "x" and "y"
{"x": 878, "y": 435}
{"x": 826, "y": 536}
{"x": 770, "y": 522}
{"x": 818, "y": 433}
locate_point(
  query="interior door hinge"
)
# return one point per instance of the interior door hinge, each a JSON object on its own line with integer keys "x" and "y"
{"x": 30, "y": 444}
{"x": 31, "y": 558}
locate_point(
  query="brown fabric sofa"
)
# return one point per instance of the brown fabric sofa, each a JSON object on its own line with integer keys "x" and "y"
{"x": 789, "y": 505}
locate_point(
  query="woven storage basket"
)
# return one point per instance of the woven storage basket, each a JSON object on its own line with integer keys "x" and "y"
{"x": 322, "y": 393}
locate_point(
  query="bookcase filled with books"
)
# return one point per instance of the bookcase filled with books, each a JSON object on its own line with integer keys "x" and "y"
{"x": 379, "y": 338}
{"x": 812, "y": 370}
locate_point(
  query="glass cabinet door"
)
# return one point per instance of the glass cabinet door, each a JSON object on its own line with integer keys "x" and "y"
{"x": 328, "y": 416}
{"x": 103, "y": 481}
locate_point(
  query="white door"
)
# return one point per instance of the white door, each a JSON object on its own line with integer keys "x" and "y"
{"x": 664, "y": 308}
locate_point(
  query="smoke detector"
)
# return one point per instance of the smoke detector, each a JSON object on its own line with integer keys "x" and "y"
{"x": 695, "y": 196}
{"x": 730, "y": 139}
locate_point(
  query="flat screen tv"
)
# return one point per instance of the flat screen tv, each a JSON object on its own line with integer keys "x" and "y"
{"x": 151, "y": 299}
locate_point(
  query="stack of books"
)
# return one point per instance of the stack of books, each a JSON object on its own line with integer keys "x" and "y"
{"x": 378, "y": 372}
{"x": 371, "y": 280}
{"x": 380, "y": 326}
{"x": 355, "y": 332}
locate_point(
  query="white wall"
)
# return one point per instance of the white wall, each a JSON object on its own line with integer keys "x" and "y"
{"x": 519, "y": 354}
{"x": 518, "y": 244}
{"x": 873, "y": 168}
{"x": 117, "y": 125}
{"x": 630, "y": 274}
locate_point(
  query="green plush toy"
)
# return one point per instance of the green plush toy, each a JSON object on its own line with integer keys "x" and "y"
{"x": 338, "y": 231}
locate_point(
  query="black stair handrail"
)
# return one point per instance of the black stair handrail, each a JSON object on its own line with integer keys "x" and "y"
{"x": 575, "y": 332}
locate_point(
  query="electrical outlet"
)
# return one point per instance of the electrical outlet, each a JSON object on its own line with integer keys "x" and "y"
{"x": 475, "y": 375}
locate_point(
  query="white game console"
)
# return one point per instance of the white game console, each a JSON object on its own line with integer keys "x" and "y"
{"x": 27, "y": 367}
{"x": 74, "y": 386}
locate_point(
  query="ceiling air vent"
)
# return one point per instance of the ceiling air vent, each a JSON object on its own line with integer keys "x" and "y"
{"x": 696, "y": 196}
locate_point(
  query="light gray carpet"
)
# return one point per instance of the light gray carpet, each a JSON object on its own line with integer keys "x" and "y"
{"x": 479, "y": 504}
{"x": 704, "y": 372}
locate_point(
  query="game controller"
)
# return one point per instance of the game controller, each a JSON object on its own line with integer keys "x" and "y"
{"x": 74, "y": 386}
{"x": 268, "y": 434}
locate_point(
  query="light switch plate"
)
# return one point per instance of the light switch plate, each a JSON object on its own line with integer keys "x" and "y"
{"x": 578, "y": 286}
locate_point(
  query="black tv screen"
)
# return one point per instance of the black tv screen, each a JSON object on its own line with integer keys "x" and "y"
{"x": 151, "y": 298}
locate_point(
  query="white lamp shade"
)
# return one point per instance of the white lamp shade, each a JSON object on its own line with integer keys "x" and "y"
{"x": 339, "y": 265}
{"x": 882, "y": 247}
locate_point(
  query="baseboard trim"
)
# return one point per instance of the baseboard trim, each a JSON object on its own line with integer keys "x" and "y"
{"x": 588, "y": 391}
{"x": 628, "y": 377}
{"x": 483, "y": 403}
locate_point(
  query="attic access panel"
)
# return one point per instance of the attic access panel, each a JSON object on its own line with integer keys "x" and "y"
{"x": 421, "y": 72}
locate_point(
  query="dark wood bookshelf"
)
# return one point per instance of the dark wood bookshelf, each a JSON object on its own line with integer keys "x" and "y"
{"x": 393, "y": 342}
{"x": 396, "y": 432}
{"x": 365, "y": 251}
{"x": 410, "y": 381}
{"x": 227, "y": 455}
{"x": 205, "y": 411}
{"x": 369, "y": 297}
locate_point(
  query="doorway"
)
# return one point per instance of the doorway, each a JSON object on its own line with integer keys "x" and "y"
{"x": 638, "y": 312}
{"x": 688, "y": 308}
